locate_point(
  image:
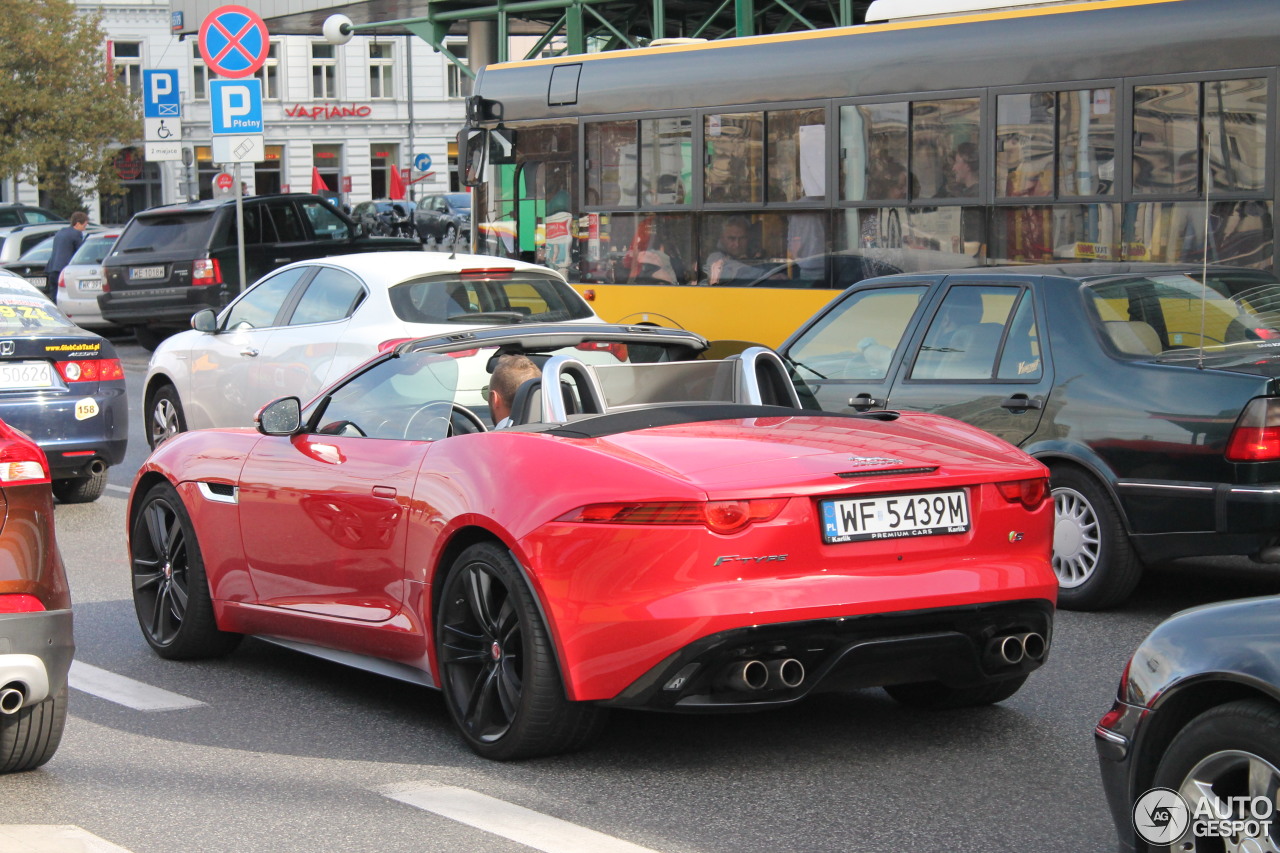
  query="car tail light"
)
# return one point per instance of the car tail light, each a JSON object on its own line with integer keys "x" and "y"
{"x": 1256, "y": 436}
{"x": 62, "y": 280}
{"x": 91, "y": 370}
{"x": 1031, "y": 493}
{"x": 20, "y": 603}
{"x": 717, "y": 516}
{"x": 22, "y": 463}
{"x": 1267, "y": 334}
{"x": 487, "y": 272}
{"x": 619, "y": 351}
{"x": 206, "y": 271}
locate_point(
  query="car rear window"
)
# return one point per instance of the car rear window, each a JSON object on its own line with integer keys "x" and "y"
{"x": 518, "y": 299}
{"x": 22, "y": 312}
{"x": 93, "y": 250}
{"x": 173, "y": 234}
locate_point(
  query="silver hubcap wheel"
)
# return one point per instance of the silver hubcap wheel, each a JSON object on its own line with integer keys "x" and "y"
{"x": 1076, "y": 543}
{"x": 1224, "y": 775}
{"x": 164, "y": 420}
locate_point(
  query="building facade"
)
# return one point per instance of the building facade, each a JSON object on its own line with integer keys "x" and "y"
{"x": 340, "y": 115}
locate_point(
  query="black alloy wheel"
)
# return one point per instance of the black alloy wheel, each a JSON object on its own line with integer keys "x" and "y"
{"x": 170, "y": 592}
{"x": 498, "y": 671}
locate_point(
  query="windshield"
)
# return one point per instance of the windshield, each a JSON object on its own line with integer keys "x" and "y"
{"x": 519, "y": 299}
{"x": 409, "y": 396}
{"x": 1169, "y": 315}
{"x": 94, "y": 250}
{"x": 21, "y": 310}
{"x": 462, "y": 201}
{"x": 39, "y": 252}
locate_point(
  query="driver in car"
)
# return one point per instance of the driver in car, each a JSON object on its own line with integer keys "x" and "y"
{"x": 511, "y": 372}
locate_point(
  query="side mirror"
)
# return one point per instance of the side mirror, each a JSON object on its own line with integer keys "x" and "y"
{"x": 279, "y": 417}
{"x": 205, "y": 320}
{"x": 473, "y": 153}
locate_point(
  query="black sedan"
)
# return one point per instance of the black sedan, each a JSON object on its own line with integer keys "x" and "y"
{"x": 64, "y": 387}
{"x": 1152, "y": 397}
{"x": 1190, "y": 752}
{"x": 443, "y": 219}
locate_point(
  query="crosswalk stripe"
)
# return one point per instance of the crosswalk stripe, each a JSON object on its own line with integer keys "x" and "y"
{"x": 52, "y": 838}
{"x": 126, "y": 691}
{"x": 515, "y": 823}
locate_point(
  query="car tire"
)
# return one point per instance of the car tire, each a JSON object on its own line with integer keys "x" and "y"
{"x": 1229, "y": 749}
{"x": 170, "y": 589}
{"x": 29, "y": 738}
{"x": 498, "y": 669}
{"x": 165, "y": 417}
{"x": 81, "y": 490}
{"x": 1092, "y": 555}
{"x": 938, "y": 696}
{"x": 147, "y": 337}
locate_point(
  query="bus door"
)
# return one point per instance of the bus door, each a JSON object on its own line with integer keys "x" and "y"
{"x": 542, "y": 185}
{"x": 980, "y": 359}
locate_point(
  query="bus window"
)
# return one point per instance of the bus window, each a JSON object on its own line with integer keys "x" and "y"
{"x": 1086, "y": 142}
{"x": 797, "y": 154}
{"x": 1241, "y": 233}
{"x": 611, "y": 168}
{"x": 666, "y": 160}
{"x": 1166, "y": 130}
{"x": 944, "y": 148}
{"x": 734, "y": 170}
{"x": 643, "y": 248}
{"x": 873, "y": 152}
{"x": 1024, "y": 145}
{"x": 1235, "y": 117}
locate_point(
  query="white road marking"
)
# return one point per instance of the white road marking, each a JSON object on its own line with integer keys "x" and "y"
{"x": 33, "y": 838}
{"x": 515, "y": 823}
{"x": 126, "y": 691}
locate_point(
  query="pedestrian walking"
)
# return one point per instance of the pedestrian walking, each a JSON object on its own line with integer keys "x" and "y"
{"x": 65, "y": 243}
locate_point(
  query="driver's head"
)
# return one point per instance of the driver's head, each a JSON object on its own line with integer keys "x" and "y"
{"x": 511, "y": 372}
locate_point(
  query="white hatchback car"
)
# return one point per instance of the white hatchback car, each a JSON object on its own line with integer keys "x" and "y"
{"x": 81, "y": 281}
{"x": 304, "y": 325}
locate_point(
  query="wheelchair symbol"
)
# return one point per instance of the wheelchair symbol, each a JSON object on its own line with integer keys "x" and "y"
{"x": 163, "y": 132}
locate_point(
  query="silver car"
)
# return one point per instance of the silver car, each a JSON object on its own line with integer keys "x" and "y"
{"x": 305, "y": 325}
{"x": 81, "y": 282}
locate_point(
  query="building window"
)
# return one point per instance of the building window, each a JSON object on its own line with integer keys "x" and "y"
{"x": 269, "y": 73}
{"x": 381, "y": 71}
{"x": 126, "y": 65}
{"x": 199, "y": 74}
{"x": 459, "y": 82}
{"x": 324, "y": 71}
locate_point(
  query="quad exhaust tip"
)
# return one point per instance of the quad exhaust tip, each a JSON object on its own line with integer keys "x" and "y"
{"x": 748, "y": 676}
{"x": 1011, "y": 649}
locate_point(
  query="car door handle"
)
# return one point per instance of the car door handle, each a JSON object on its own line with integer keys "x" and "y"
{"x": 384, "y": 491}
{"x": 283, "y": 260}
{"x": 1021, "y": 402}
{"x": 865, "y": 401}
{"x": 249, "y": 352}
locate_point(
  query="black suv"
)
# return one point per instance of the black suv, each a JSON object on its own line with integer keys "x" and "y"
{"x": 172, "y": 261}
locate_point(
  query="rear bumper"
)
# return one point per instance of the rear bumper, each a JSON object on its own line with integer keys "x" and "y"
{"x": 1114, "y": 739}
{"x": 35, "y": 652}
{"x": 842, "y": 654}
{"x": 72, "y": 444}
{"x": 169, "y": 307}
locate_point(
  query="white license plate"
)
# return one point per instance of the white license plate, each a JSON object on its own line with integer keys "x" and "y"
{"x": 26, "y": 374}
{"x": 141, "y": 273}
{"x": 89, "y": 284}
{"x": 38, "y": 282}
{"x": 894, "y": 516}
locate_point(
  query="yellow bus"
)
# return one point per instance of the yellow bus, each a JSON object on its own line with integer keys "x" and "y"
{"x": 733, "y": 187}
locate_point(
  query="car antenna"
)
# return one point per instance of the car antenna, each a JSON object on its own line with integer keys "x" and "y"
{"x": 1204, "y": 257}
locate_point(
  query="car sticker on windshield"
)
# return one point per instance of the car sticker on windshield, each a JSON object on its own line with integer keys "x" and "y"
{"x": 86, "y": 408}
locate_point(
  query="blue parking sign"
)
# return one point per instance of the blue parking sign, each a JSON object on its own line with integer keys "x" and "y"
{"x": 160, "y": 96}
{"x": 236, "y": 106}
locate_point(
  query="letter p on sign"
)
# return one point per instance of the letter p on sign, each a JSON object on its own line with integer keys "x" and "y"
{"x": 236, "y": 106}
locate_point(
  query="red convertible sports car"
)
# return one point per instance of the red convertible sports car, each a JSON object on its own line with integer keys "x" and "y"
{"x": 666, "y": 530}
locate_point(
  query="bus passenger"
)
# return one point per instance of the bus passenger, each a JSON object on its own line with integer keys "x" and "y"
{"x": 728, "y": 263}
{"x": 964, "y": 172}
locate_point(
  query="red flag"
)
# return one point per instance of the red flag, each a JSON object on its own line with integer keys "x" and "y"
{"x": 397, "y": 184}
{"x": 317, "y": 182}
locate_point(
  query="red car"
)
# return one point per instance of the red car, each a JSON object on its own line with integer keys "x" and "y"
{"x": 668, "y": 531}
{"x": 36, "y": 643}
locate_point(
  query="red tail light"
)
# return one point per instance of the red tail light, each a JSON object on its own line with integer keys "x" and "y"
{"x": 1030, "y": 493}
{"x": 487, "y": 272}
{"x": 619, "y": 351}
{"x": 22, "y": 463}
{"x": 717, "y": 516}
{"x": 62, "y": 280}
{"x": 20, "y": 603}
{"x": 206, "y": 271}
{"x": 90, "y": 370}
{"x": 1256, "y": 437}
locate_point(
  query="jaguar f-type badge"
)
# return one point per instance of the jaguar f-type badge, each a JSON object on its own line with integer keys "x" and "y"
{"x": 868, "y": 461}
